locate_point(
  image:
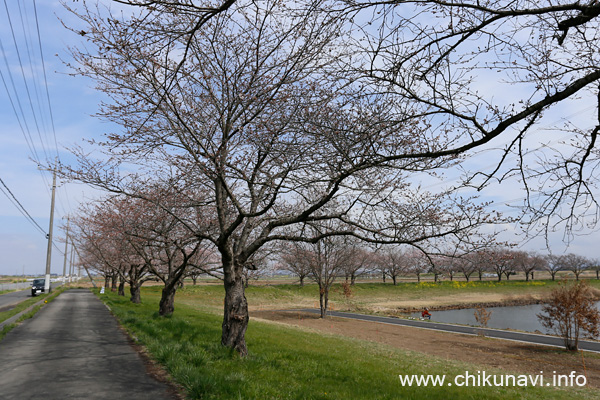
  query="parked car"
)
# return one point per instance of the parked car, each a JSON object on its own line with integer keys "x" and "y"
{"x": 37, "y": 286}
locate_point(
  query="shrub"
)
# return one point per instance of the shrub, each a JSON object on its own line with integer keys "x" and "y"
{"x": 571, "y": 311}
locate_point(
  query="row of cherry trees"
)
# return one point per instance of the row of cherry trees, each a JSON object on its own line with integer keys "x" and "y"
{"x": 394, "y": 263}
{"x": 309, "y": 121}
{"x": 133, "y": 240}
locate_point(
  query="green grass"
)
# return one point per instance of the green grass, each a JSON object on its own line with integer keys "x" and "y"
{"x": 289, "y": 363}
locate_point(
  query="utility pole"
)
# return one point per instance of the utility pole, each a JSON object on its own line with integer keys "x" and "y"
{"x": 71, "y": 262}
{"x": 66, "y": 245}
{"x": 49, "y": 237}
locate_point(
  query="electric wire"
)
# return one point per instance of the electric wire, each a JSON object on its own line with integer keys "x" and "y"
{"x": 19, "y": 113}
{"x": 37, "y": 113}
{"x": 20, "y": 206}
{"x": 37, "y": 24}
{"x": 26, "y": 85}
{"x": 30, "y": 52}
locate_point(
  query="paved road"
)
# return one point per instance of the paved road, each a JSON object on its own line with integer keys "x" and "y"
{"x": 73, "y": 349}
{"x": 468, "y": 330}
{"x": 11, "y": 299}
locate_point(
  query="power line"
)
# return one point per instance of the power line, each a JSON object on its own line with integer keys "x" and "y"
{"x": 27, "y": 91}
{"x": 20, "y": 207}
{"x": 37, "y": 24}
{"x": 18, "y": 110}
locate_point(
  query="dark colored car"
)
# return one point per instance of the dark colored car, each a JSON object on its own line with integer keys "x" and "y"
{"x": 37, "y": 286}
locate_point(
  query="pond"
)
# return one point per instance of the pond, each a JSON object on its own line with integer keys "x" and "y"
{"x": 522, "y": 318}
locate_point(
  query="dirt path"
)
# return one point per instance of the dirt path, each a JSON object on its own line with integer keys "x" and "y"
{"x": 513, "y": 357}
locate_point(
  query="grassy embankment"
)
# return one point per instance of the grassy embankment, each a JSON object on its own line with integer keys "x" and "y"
{"x": 287, "y": 362}
{"x": 375, "y": 297}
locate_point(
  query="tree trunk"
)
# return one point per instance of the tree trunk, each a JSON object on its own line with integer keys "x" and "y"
{"x": 113, "y": 284}
{"x": 467, "y": 276}
{"x": 167, "y": 300}
{"x": 134, "y": 290}
{"x": 301, "y": 280}
{"x": 418, "y": 278}
{"x": 383, "y": 275}
{"x": 451, "y": 276}
{"x": 394, "y": 279}
{"x": 597, "y": 273}
{"x": 571, "y": 344}
{"x": 552, "y": 274}
{"x": 531, "y": 275}
{"x": 499, "y": 277}
{"x": 324, "y": 301}
{"x": 480, "y": 275}
{"x": 235, "y": 315}
{"x": 121, "y": 285}
{"x": 106, "y": 281}
{"x": 352, "y": 279}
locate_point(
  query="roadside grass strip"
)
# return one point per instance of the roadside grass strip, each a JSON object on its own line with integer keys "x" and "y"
{"x": 24, "y": 310}
{"x": 293, "y": 363}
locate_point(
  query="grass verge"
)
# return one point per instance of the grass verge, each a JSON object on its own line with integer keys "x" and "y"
{"x": 23, "y": 306}
{"x": 291, "y": 363}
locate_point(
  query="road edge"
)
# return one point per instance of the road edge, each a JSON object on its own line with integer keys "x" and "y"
{"x": 16, "y": 317}
{"x": 153, "y": 368}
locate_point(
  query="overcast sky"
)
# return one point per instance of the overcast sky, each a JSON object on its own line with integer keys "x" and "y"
{"x": 40, "y": 131}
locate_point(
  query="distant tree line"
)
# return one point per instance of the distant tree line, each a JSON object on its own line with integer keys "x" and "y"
{"x": 393, "y": 263}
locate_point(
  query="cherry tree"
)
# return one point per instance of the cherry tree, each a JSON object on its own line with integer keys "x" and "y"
{"x": 360, "y": 261}
{"x": 417, "y": 263}
{"x": 101, "y": 246}
{"x": 553, "y": 265}
{"x": 292, "y": 257}
{"x": 394, "y": 262}
{"x": 468, "y": 264}
{"x": 500, "y": 261}
{"x": 574, "y": 263}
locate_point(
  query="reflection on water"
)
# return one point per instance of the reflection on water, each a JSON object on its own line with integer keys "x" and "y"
{"x": 522, "y": 318}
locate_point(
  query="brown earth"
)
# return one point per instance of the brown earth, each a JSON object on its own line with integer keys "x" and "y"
{"x": 513, "y": 357}
{"x": 455, "y": 302}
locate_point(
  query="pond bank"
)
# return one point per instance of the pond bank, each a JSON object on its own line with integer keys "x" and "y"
{"x": 524, "y": 301}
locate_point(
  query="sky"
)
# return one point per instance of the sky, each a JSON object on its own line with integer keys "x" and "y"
{"x": 39, "y": 131}
{"x": 35, "y": 131}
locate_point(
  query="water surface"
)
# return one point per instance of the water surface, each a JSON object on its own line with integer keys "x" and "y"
{"x": 522, "y": 318}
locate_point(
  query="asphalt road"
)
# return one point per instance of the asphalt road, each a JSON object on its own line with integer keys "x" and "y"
{"x": 11, "y": 299}
{"x": 73, "y": 349}
{"x": 468, "y": 330}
